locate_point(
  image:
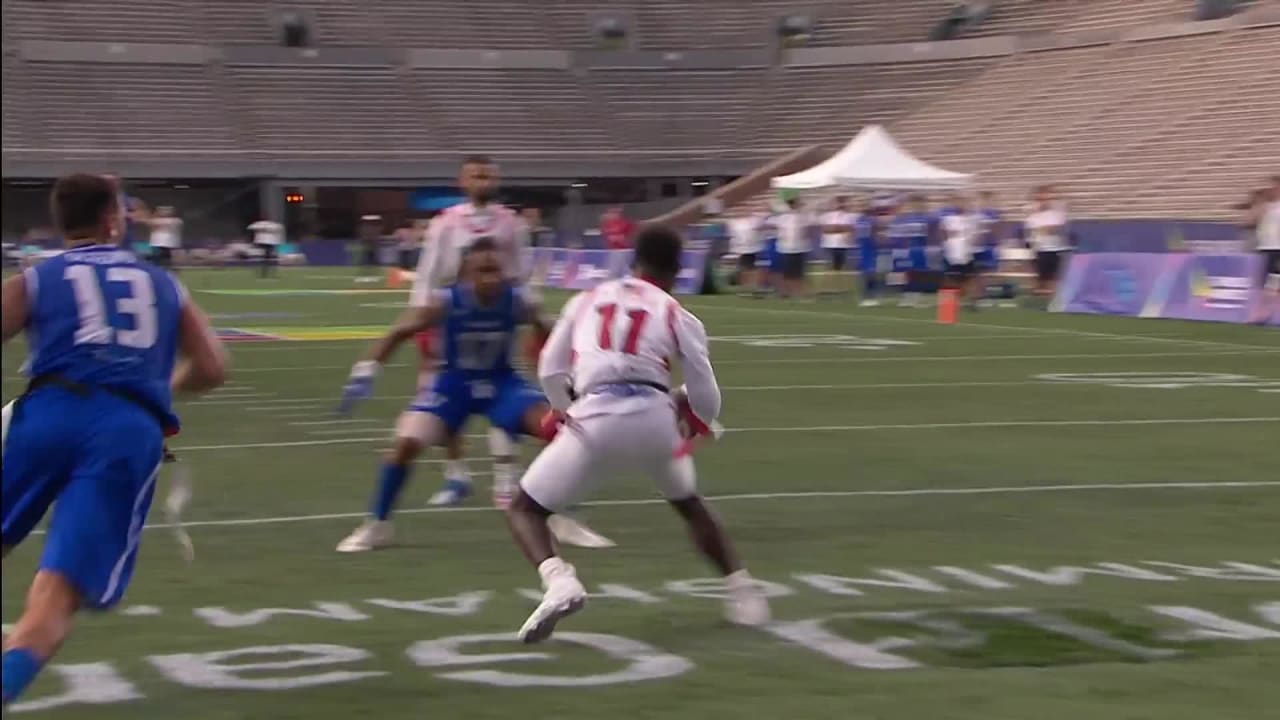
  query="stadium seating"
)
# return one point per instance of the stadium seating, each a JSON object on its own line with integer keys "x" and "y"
{"x": 325, "y": 110}
{"x": 705, "y": 110}
{"x": 525, "y": 112}
{"x": 12, "y": 121}
{"x": 168, "y": 108}
{"x": 150, "y": 21}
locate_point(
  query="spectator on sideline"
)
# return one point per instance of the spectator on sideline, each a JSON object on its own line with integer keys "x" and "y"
{"x": 960, "y": 229}
{"x": 407, "y": 238}
{"x": 1046, "y": 232}
{"x": 166, "y": 236}
{"x": 539, "y": 234}
{"x": 793, "y": 247}
{"x": 986, "y": 259}
{"x": 616, "y": 229}
{"x": 267, "y": 237}
{"x": 1269, "y": 245}
{"x": 746, "y": 237}
{"x": 837, "y": 239}
{"x": 867, "y": 229}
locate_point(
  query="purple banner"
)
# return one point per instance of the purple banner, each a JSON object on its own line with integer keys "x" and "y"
{"x": 584, "y": 269}
{"x": 1183, "y": 286}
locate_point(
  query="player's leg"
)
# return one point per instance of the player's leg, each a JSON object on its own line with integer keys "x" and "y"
{"x": 457, "y": 476}
{"x": 92, "y": 540}
{"x": 555, "y": 481}
{"x": 676, "y": 479}
{"x": 436, "y": 413}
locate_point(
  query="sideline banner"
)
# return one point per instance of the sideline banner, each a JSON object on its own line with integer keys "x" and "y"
{"x": 569, "y": 269}
{"x": 1182, "y": 286}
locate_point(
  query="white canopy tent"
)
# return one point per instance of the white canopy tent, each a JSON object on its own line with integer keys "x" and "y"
{"x": 874, "y": 161}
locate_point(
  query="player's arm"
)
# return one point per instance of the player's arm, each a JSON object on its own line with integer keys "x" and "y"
{"x": 429, "y": 261}
{"x": 13, "y": 295}
{"x": 411, "y": 322}
{"x": 555, "y": 362}
{"x": 699, "y": 378}
{"x": 203, "y": 363}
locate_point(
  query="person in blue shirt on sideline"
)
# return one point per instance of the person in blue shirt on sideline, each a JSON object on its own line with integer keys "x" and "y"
{"x": 909, "y": 233}
{"x": 864, "y": 231}
{"x": 105, "y": 331}
{"x": 987, "y": 258}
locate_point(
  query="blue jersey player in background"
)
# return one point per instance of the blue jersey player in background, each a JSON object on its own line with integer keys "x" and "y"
{"x": 479, "y": 317}
{"x": 909, "y": 234}
{"x": 104, "y": 330}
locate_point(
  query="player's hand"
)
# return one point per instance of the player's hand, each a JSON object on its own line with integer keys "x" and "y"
{"x": 359, "y": 385}
{"x": 550, "y": 425}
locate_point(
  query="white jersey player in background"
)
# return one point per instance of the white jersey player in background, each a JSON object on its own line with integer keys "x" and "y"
{"x": 447, "y": 237}
{"x": 606, "y": 372}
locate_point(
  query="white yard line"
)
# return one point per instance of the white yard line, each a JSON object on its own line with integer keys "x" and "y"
{"x": 810, "y": 428}
{"x": 969, "y": 323}
{"x": 906, "y": 492}
{"x": 854, "y": 357}
{"x": 340, "y": 421}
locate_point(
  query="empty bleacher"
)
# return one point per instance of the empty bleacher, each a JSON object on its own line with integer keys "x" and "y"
{"x": 520, "y": 111}
{"x": 142, "y": 21}
{"x": 680, "y": 109}
{"x": 140, "y": 109}
{"x": 319, "y": 110}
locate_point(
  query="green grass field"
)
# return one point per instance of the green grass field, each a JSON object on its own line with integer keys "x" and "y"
{"x": 1022, "y": 516}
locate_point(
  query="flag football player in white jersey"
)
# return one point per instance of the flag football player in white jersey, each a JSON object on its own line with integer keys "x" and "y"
{"x": 447, "y": 237}
{"x": 606, "y": 370}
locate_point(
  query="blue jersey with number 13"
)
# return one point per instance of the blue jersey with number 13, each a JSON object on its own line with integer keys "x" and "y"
{"x": 100, "y": 316}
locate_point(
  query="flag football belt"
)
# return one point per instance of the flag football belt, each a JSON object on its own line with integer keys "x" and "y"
{"x": 85, "y": 390}
{"x": 627, "y": 388}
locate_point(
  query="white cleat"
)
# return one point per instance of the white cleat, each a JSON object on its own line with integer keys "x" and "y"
{"x": 372, "y": 535}
{"x": 746, "y": 605}
{"x": 869, "y": 303}
{"x": 564, "y": 596}
{"x": 571, "y": 532}
{"x": 452, "y": 494}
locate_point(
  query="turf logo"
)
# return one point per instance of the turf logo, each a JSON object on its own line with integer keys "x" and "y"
{"x": 1169, "y": 380}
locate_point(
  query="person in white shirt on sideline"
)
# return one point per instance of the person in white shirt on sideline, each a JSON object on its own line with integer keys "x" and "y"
{"x": 961, "y": 231}
{"x": 837, "y": 239}
{"x": 268, "y": 235}
{"x": 747, "y": 238}
{"x": 793, "y": 247}
{"x": 1268, "y": 234}
{"x": 1046, "y": 232}
{"x": 166, "y": 236}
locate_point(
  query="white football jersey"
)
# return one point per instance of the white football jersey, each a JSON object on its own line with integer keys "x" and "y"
{"x": 627, "y": 331}
{"x": 452, "y": 232}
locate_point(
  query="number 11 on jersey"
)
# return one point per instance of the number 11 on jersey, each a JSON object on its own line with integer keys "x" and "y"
{"x": 637, "y": 317}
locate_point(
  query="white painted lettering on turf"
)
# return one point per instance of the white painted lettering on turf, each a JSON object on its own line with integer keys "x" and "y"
{"x": 606, "y": 591}
{"x": 1212, "y": 626}
{"x": 1084, "y": 634}
{"x": 715, "y": 588}
{"x": 874, "y": 655}
{"x": 224, "y": 618}
{"x": 84, "y": 684}
{"x": 847, "y": 586}
{"x": 1069, "y": 575}
{"x": 468, "y": 603}
{"x": 1270, "y": 611}
{"x": 978, "y": 580}
{"x": 209, "y": 670}
{"x": 644, "y": 662}
{"x": 1246, "y": 572}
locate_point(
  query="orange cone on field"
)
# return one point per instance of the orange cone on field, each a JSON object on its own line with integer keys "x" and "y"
{"x": 395, "y": 277}
{"x": 948, "y": 306}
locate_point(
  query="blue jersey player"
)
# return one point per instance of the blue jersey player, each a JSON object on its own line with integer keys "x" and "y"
{"x": 909, "y": 235}
{"x": 478, "y": 317}
{"x": 104, "y": 330}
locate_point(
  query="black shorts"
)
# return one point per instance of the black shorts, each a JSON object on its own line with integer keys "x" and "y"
{"x": 1270, "y": 263}
{"x": 962, "y": 271}
{"x": 747, "y": 261}
{"x": 163, "y": 256}
{"x": 1048, "y": 264}
{"x": 793, "y": 265}
{"x": 839, "y": 256}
